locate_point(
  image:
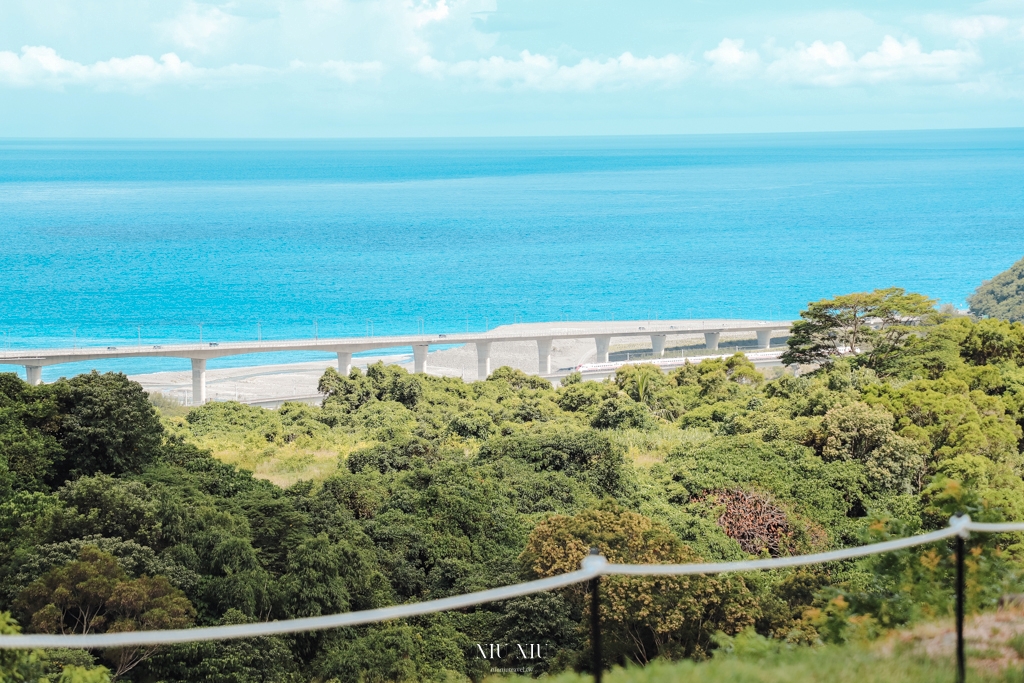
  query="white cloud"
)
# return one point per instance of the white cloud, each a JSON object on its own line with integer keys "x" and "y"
{"x": 424, "y": 13}
{"x": 42, "y": 66}
{"x": 818, "y": 64}
{"x": 834, "y": 65}
{"x": 968, "y": 28}
{"x": 730, "y": 58}
{"x": 540, "y": 72}
{"x": 199, "y": 26}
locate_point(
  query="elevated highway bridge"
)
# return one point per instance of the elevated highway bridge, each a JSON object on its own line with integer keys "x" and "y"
{"x": 543, "y": 334}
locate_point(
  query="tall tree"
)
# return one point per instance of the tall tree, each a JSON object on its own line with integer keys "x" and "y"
{"x": 94, "y": 595}
{"x": 644, "y": 617}
{"x": 872, "y": 322}
{"x": 107, "y": 425}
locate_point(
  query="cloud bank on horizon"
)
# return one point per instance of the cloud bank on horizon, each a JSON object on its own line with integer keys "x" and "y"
{"x": 444, "y": 67}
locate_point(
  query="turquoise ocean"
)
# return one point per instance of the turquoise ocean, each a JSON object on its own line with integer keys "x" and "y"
{"x": 110, "y": 242}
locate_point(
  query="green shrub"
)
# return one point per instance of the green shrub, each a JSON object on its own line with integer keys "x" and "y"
{"x": 622, "y": 412}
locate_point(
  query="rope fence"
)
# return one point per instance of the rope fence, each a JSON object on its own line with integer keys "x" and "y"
{"x": 593, "y": 567}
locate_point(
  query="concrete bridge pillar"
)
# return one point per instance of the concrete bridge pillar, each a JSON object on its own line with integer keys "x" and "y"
{"x": 544, "y": 356}
{"x": 344, "y": 362}
{"x": 764, "y": 339}
{"x": 602, "y": 343}
{"x": 419, "y": 357}
{"x": 198, "y": 381}
{"x": 483, "y": 360}
{"x": 711, "y": 340}
{"x": 34, "y": 374}
{"x": 658, "y": 345}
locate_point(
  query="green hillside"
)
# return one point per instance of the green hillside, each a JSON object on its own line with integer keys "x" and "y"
{"x": 428, "y": 487}
{"x": 1002, "y": 296}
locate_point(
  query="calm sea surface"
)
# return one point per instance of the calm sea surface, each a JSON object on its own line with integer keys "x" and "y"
{"x": 102, "y": 242}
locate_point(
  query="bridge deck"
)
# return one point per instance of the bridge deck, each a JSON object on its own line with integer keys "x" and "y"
{"x": 518, "y": 332}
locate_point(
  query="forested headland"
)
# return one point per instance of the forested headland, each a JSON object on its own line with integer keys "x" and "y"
{"x": 1002, "y": 296}
{"x": 115, "y": 517}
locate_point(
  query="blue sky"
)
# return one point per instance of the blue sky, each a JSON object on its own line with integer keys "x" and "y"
{"x": 341, "y": 68}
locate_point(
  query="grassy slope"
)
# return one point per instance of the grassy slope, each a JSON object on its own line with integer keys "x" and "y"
{"x": 282, "y": 464}
{"x": 849, "y": 664}
{"x": 315, "y": 459}
{"x": 303, "y": 459}
{"x": 994, "y": 647}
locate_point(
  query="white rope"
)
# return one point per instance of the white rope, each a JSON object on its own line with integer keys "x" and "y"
{"x": 592, "y": 567}
{"x": 269, "y": 628}
{"x": 779, "y": 562}
{"x": 1000, "y": 528}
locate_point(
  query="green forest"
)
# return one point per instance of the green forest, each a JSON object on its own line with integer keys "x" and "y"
{"x": 1002, "y": 296}
{"x": 118, "y": 515}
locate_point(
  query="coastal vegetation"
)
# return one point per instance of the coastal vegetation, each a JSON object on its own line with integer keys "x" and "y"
{"x": 758, "y": 661}
{"x": 1002, "y": 296}
{"x": 114, "y": 516}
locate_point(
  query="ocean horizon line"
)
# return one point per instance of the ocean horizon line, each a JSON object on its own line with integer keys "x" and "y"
{"x": 538, "y": 137}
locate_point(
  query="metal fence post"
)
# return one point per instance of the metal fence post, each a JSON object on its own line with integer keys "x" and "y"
{"x": 595, "y": 624}
{"x": 961, "y": 669}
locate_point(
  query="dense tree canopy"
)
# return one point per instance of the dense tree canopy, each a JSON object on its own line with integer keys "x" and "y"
{"x": 872, "y": 323}
{"x": 111, "y": 518}
{"x": 1002, "y": 296}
